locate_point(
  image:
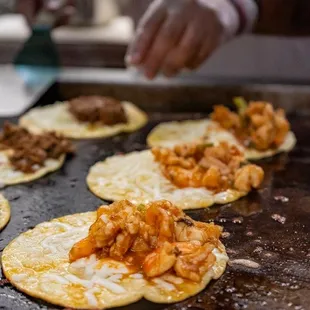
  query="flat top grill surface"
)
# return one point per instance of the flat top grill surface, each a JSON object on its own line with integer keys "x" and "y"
{"x": 282, "y": 251}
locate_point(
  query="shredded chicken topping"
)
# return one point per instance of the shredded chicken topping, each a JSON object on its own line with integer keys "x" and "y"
{"x": 158, "y": 239}
{"x": 256, "y": 125}
{"x": 30, "y": 151}
{"x": 213, "y": 167}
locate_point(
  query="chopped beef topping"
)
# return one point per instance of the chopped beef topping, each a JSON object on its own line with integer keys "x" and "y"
{"x": 31, "y": 151}
{"x": 108, "y": 111}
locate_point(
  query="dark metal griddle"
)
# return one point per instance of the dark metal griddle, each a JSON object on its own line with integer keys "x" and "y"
{"x": 281, "y": 250}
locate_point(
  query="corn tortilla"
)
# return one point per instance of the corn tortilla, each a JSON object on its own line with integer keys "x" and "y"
{"x": 5, "y": 212}
{"x": 57, "y": 118}
{"x": 10, "y": 176}
{"x": 137, "y": 178}
{"x": 37, "y": 263}
{"x": 172, "y": 133}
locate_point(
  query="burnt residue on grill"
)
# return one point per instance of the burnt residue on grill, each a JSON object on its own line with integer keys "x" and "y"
{"x": 279, "y": 252}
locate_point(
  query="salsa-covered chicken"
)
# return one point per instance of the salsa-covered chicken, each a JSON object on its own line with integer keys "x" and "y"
{"x": 157, "y": 238}
{"x": 213, "y": 167}
{"x": 257, "y": 124}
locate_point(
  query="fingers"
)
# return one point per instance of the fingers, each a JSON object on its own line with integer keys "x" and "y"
{"x": 202, "y": 55}
{"x": 146, "y": 32}
{"x": 167, "y": 37}
{"x": 190, "y": 43}
{"x": 174, "y": 35}
{"x": 211, "y": 42}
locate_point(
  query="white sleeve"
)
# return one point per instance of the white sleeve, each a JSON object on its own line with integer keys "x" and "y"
{"x": 250, "y": 8}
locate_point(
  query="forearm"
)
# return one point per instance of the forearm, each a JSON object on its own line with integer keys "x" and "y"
{"x": 283, "y": 17}
{"x": 7, "y": 6}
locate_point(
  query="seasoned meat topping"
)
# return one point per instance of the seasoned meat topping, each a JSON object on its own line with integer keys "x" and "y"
{"x": 213, "y": 167}
{"x": 256, "y": 124}
{"x": 155, "y": 239}
{"x": 93, "y": 109}
{"x": 30, "y": 151}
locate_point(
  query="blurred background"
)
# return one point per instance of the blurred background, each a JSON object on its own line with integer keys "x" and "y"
{"x": 98, "y": 37}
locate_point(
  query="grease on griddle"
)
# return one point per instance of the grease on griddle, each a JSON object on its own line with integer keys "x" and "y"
{"x": 278, "y": 218}
{"x": 244, "y": 262}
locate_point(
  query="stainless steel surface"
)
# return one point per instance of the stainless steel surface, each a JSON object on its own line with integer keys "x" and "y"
{"x": 32, "y": 82}
{"x": 189, "y": 91}
{"x": 20, "y": 87}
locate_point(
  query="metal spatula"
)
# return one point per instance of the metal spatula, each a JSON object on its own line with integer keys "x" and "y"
{"x": 36, "y": 65}
{"x": 39, "y": 49}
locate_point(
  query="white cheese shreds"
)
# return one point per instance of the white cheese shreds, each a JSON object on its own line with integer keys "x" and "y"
{"x": 35, "y": 167}
{"x": 3, "y": 158}
{"x": 104, "y": 218}
{"x": 219, "y": 255}
{"x": 19, "y": 277}
{"x": 90, "y": 267}
{"x": 7, "y": 174}
{"x": 56, "y": 278}
{"x": 141, "y": 181}
{"x": 164, "y": 284}
{"x": 80, "y": 263}
{"x": 76, "y": 280}
{"x": 136, "y": 276}
{"x": 60, "y": 243}
{"x": 85, "y": 272}
{"x": 91, "y": 298}
{"x": 111, "y": 286}
{"x": 172, "y": 279}
{"x": 115, "y": 277}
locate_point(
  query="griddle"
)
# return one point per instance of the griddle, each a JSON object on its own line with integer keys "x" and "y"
{"x": 282, "y": 251}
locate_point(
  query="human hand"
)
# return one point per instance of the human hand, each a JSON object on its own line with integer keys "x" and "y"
{"x": 62, "y": 10}
{"x": 178, "y": 34}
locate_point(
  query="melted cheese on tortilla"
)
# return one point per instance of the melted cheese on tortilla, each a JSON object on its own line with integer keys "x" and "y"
{"x": 56, "y": 117}
{"x": 5, "y": 212}
{"x": 170, "y": 134}
{"x": 10, "y": 176}
{"x": 137, "y": 178}
{"x": 37, "y": 263}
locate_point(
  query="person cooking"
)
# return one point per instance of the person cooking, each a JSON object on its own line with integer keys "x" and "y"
{"x": 174, "y": 35}
{"x": 181, "y": 34}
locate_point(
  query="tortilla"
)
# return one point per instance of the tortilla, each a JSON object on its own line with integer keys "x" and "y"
{"x": 137, "y": 178}
{"x": 9, "y": 175}
{"x": 37, "y": 263}
{"x": 172, "y": 133}
{"x": 5, "y": 212}
{"x": 57, "y": 118}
